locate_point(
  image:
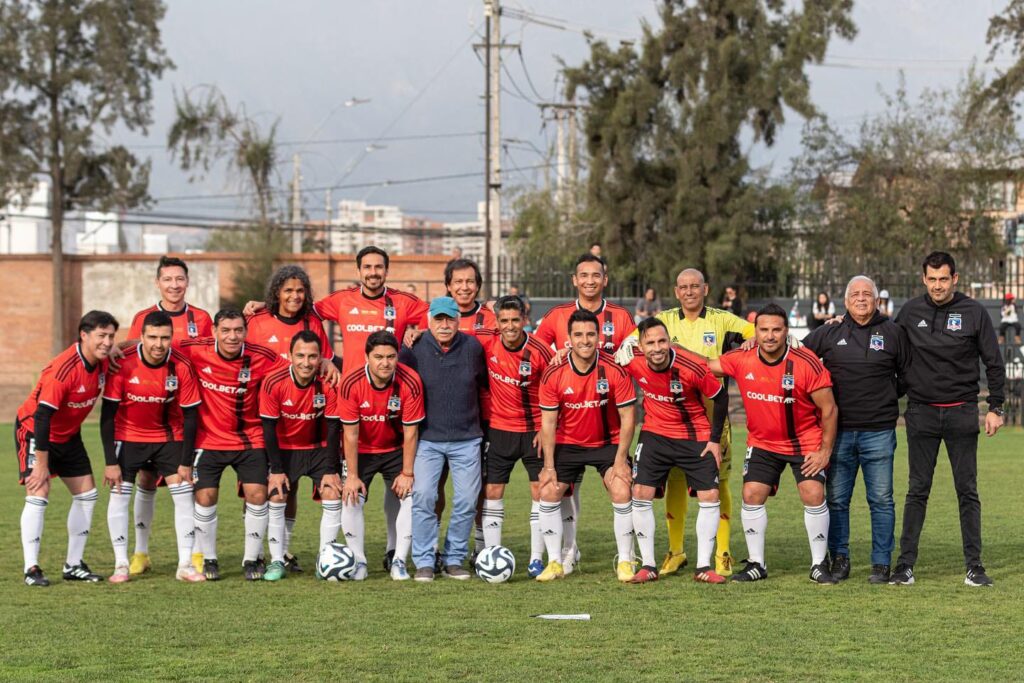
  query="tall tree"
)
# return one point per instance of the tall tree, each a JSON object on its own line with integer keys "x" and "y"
{"x": 70, "y": 72}
{"x": 668, "y": 122}
{"x": 1005, "y": 33}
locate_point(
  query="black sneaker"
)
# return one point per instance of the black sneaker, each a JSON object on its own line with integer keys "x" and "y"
{"x": 80, "y": 572}
{"x": 840, "y": 569}
{"x": 820, "y": 574}
{"x": 879, "y": 573}
{"x": 291, "y": 563}
{"x": 253, "y": 570}
{"x": 35, "y": 577}
{"x": 389, "y": 557}
{"x": 977, "y": 577}
{"x": 261, "y": 565}
{"x": 752, "y": 572}
{"x": 211, "y": 570}
{"x": 902, "y": 576}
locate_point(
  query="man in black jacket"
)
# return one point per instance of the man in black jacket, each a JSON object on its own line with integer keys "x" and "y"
{"x": 866, "y": 353}
{"x": 948, "y": 331}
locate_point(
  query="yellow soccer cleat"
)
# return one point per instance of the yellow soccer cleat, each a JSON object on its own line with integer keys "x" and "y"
{"x": 723, "y": 564}
{"x": 551, "y": 572}
{"x": 139, "y": 564}
{"x": 197, "y": 562}
{"x": 625, "y": 571}
{"x": 673, "y": 562}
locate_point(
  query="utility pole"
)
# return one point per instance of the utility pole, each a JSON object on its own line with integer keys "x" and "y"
{"x": 296, "y": 204}
{"x": 330, "y": 228}
{"x": 566, "y": 163}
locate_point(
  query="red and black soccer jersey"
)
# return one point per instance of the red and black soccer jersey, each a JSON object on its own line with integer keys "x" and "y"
{"x": 615, "y": 323}
{"x": 781, "y": 415}
{"x": 276, "y": 332}
{"x": 301, "y": 411}
{"x": 381, "y": 412}
{"x": 471, "y": 322}
{"x": 587, "y": 402}
{"x": 515, "y": 381}
{"x": 229, "y": 418}
{"x": 674, "y": 396}
{"x": 71, "y": 387}
{"x": 151, "y": 397}
{"x": 188, "y": 323}
{"x": 359, "y": 316}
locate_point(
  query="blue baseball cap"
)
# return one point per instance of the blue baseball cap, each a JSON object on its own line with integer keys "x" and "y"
{"x": 444, "y": 305}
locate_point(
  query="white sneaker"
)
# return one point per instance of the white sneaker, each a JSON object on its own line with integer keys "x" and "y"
{"x": 188, "y": 574}
{"x": 360, "y": 573}
{"x": 398, "y": 571}
{"x": 120, "y": 574}
{"x": 570, "y": 558}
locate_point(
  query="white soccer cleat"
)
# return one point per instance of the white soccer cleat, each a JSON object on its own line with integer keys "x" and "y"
{"x": 188, "y": 574}
{"x": 360, "y": 572}
{"x": 570, "y": 558}
{"x": 398, "y": 571}
{"x": 120, "y": 574}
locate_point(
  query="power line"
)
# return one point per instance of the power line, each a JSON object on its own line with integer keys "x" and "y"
{"x": 340, "y": 141}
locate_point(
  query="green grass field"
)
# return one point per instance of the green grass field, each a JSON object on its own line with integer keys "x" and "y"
{"x": 786, "y": 628}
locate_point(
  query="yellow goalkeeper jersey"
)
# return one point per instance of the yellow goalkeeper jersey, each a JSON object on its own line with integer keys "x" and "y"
{"x": 711, "y": 334}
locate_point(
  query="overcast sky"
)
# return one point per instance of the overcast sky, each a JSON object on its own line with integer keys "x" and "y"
{"x": 298, "y": 63}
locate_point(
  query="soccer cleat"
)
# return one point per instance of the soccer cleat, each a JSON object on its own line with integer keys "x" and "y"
{"x": 360, "y": 573}
{"x": 903, "y": 575}
{"x": 723, "y": 564}
{"x": 398, "y": 571}
{"x": 821, "y": 574}
{"x": 35, "y": 577}
{"x": 261, "y": 564}
{"x": 645, "y": 575}
{"x": 80, "y": 572}
{"x": 624, "y": 571}
{"x": 976, "y": 577}
{"x": 840, "y": 569}
{"x": 879, "y": 573}
{"x": 276, "y": 571}
{"x": 211, "y": 570}
{"x": 121, "y": 574}
{"x": 389, "y": 557}
{"x": 253, "y": 571}
{"x": 673, "y": 562}
{"x": 705, "y": 575}
{"x": 424, "y": 575}
{"x": 570, "y": 558}
{"x": 551, "y": 572}
{"x": 291, "y": 563}
{"x": 139, "y": 564}
{"x": 197, "y": 562}
{"x": 455, "y": 571}
{"x": 534, "y": 569}
{"x": 188, "y": 574}
{"x": 752, "y": 572}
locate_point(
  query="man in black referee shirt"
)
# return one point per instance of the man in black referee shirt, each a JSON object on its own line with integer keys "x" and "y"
{"x": 947, "y": 331}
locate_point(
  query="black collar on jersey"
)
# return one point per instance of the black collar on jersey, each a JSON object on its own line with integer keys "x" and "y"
{"x": 241, "y": 352}
{"x": 604, "y": 303}
{"x": 703, "y": 313}
{"x": 145, "y": 362}
{"x": 383, "y": 291}
{"x": 295, "y": 380}
{"x": 671, "y": 362}
{"x": 526, "y": 338}
{"x": 289, "y": 320}
{"x": 471, "y": 313}
{"x": 386, "y": 387}
{"x": 88, "y": 366}
{"x": 173, "y": 314}
{"x": 776, "y": 361}
{"x": 572, "y": 365}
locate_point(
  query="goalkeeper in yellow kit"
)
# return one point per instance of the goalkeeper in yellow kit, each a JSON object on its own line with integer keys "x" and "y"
{"x": 708, "y": 332}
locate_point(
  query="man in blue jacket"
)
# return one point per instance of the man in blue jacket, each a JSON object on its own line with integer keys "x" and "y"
{"x": 451, "y": 365}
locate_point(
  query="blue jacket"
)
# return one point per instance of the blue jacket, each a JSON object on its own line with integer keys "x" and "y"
{"x": 452, "y": 382}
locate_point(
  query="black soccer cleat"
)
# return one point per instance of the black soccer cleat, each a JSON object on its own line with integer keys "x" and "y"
{"x": 35, "y": 577}
{"x": 879, "y": 573}
{"x": 752, "y": 572}
{"x": 840, "y": 569}
{"x": 291, "y": 563}
{"x": 211, "y": 570}
{"x": 261, "y": 565}
{"x": 253, "y": 570}
{"x": 976, "y": 577}
{"x": 80, "y": 572}
{"x": 902, "y": 576}
{"x": 389, "y": 557}
{"x": 820, "y": 574}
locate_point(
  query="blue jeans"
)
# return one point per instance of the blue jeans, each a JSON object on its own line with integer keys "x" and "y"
{"x": 464, "y": 467}
{"x": 873, "y": 453}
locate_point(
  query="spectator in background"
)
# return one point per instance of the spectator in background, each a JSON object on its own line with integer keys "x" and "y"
{"x": 595, "y": 249}
{"x": 885, "y": 305}
{"x": 456, "y": 253}
{"x": 822, "y": 310}
{"x": 731, "y": 301}
{"x": 1008, "y": 320}
{"x": 514, "y": 291}
{"x": 648, "y": 306}
{"x": 411, "y": 288}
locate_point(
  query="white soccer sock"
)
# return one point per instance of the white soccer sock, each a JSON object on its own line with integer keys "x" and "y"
{"x": 275, "y": 531}
{"x": 403, "y": 529}
{"x": 256, "y": 518}
{"x": 354, "y": 525}
{"x": 816, "y": 522}
{"x": 569, "y": 513}
{"x": 479, "y": 539}
{"x": 145, "y": 507}
{"x": 32, "y": 517}
{"x": 117, "y": 521}
{"x": 184, "y": 520}
{"x": 79, "y": 523}
{"x": 289, "y": 527}
{"x": 755, "y": 523}
{"x": 536, "y": 538}
{"x": 623, "y": 526}
{"x": 330, "y": 521}
{"x": 643, "y": 526}
{"x": 492, "y": 518}
{"x": 391, "y": 507}
{"x": 708, "y": 517}
{"x": 206, "y": 531}
{"x": 549, "y": 518}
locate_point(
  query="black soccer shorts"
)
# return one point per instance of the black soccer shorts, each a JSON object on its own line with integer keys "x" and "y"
{"x": 388, "y": 465}
{"x": 765, "y": 467}
{"x": 163, "y": 458}
{"x": 68, "y": 459}
{"x": 571, "y": 461}
{"x": 250, "y": 466}
{"x": 307, "y": 462}
{"x": 505, "y": 449}
{"x": 655, "y": 455}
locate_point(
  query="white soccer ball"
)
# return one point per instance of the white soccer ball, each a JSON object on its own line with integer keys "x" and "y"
{"x": 336, "y": 562}
{"x": 495, "y": 564}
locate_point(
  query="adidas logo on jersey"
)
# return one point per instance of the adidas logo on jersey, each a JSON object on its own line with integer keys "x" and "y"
{"x": 134, "y": 380}
{"x": 208, "y": 370}
{"x": 273, "y": 339}
{"x": 750, "y": 375}
{"x": 354, "y": 311}
{"x": 81, "y": 389}
{"x": 287, "y": 402}
{"x": 365, "y": 404}
{"x": 568, "y": 390}
{"x": 842, "y": 342}
{"x": 643, "y": 380}
{"x": 922, "y": 324}
{"x": 494, "y": 359}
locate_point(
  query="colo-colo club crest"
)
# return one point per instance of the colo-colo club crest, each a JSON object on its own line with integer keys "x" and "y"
{"x": 954, "y": 322}
{"x": 602, "y": 386}
{"x": 525, "y": 368}
{"x": 394, "y": 404}
{"x": 171, "y": 383}
{"x": 877, "y": 342}
{"x": 787, "y": 382}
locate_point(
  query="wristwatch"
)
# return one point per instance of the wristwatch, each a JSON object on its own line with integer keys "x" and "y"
{"x": 998, "y": 411}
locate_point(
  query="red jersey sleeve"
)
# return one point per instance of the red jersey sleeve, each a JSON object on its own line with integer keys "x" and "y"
{"x": 331, "y": 409}
{"x": 707, "y": 382}
{"x": 188, "y": 386}
{"x": 546, "y": 331}
{"x": 270, "y": 405}
{"x": 412, "y": 399}
{"x": 135, "y": 332}
{"x": 620, "y": 383}
{"x": 548, "y": 395}
{"x": 730, "y": 363}
{"x": 327, "y": 348}
{"x": 348, "y": 405}
{"x": 816, "y": 376}
{"x": 204, "y": 323}
{"x": 114, "y": 389}
{"x": 327, "y": 308}
{"x": 52, "y": 392}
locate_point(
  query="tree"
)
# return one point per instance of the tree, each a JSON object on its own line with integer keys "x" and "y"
{"x": 1005, "y": 31}
{"x": 71, "y": 71}
{"x": 666, "y": 124}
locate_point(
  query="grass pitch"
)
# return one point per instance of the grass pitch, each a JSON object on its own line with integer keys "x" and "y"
{"x": 786, "y": 628}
